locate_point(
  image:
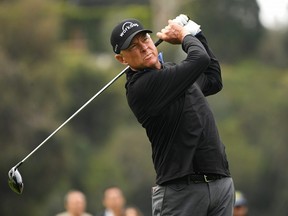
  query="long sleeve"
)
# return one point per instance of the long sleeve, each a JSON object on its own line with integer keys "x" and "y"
{"x": 210, "y": 81}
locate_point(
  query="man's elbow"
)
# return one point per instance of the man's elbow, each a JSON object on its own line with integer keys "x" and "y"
{"x": 219, "y": 87}
{"x": 205, "y": 59}
{"x": 214, "y": 87}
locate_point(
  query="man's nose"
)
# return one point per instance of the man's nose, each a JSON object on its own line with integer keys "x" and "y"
{"x": 143, "y": 46}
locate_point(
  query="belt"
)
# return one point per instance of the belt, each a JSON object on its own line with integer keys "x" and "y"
{"x": 204, "y": 178}
{"x": 195, "y": 178}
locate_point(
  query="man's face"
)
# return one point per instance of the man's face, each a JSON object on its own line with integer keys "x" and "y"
{"x": 76, "y": 204}
{"x": 114, "y": 199}
{"x": 141, "y": 53}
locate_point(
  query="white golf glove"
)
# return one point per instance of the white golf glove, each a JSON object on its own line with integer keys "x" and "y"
{"x": 188, "y": 24}
{"x": 192, "y": 27}
{"x": 181, "y": 19}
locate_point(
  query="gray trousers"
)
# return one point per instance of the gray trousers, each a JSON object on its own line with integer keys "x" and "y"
{"x": 215, "y": 198}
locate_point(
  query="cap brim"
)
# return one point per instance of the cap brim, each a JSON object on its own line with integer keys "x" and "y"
{"x": 240, "y": 203}
{"x": 126, "y": 44}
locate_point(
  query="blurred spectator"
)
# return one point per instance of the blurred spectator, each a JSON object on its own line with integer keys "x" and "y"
{"x": 114, "y": 202}
{"x": 240, "y": 206}
{"x": 75, "y": 204}
{"x": 133, "y": 211}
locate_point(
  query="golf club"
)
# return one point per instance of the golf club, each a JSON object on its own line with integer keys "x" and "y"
{"x": 14, "y": 177}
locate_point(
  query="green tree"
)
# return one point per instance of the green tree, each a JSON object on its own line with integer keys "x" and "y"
{"x": 233, "y": 27}
{"x": 42, "y": 83}
{"x": 273, "y": 48}
{"x": 251, "y": 112}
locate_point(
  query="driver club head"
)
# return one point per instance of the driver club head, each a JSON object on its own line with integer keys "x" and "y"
{"x": 15, "y": 180}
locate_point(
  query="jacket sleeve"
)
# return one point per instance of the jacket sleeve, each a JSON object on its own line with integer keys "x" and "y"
{"x": 210, "y": 81}
{"x": 156, "y": 89}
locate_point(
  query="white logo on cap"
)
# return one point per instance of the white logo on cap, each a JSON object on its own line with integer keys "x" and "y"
{"x": 116, "y": 47}
{"x": 126, "y": 27}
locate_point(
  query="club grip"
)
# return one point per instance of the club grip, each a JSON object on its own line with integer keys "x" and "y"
{"x": 159, "y": 41}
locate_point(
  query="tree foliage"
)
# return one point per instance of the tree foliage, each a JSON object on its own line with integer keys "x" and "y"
{"x": 233, "y": 27}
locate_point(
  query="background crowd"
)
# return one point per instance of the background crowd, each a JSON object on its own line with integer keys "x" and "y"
{"x": 113, "y": 204}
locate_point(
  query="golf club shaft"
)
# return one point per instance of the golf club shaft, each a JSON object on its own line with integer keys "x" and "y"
{"x": 81, "y": 108}
{"x": 74, "y": 114}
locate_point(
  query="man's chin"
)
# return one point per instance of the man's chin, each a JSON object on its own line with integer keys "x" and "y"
{"x": 152, "y": 64}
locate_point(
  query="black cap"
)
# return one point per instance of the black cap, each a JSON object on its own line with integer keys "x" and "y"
{"x": 124, "y": 32}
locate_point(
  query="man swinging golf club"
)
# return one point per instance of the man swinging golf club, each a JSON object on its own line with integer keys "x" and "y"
{"x": 168, "y": 100}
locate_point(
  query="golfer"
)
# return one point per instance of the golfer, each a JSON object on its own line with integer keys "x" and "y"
{"x": 168, "y": 100}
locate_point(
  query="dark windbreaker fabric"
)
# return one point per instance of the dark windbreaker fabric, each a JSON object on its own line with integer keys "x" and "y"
{"x": 170, "y": 104}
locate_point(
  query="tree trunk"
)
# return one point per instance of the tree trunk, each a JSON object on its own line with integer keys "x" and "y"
{"x": 162, "y": 11}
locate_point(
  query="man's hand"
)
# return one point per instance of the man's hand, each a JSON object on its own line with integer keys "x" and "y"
{"x": 178, "y": 28}
{"x": 190, "y": 25}
{"x": 173, "y": 33}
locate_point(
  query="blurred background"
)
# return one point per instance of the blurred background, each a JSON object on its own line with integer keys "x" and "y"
{"x": 55, "y": 55}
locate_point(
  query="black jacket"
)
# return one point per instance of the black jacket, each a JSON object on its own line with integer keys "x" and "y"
{"x": 170, "y": 104}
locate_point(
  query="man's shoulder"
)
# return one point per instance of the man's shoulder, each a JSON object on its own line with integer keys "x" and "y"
{"x": 168, "y": 64}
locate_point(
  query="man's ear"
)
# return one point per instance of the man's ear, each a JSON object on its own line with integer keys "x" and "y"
{"x": 121, "y": 59}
